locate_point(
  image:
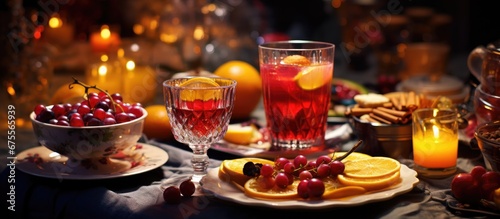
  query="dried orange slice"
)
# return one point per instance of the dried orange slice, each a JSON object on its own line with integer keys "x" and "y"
{"x": 314, "y": 77}
{"x": 370, "y": 183}
{"x": 373, "y": 167}
{"x": 254, "y": 190}
{"x": 201, "y": 89}
{"x": 232, "y": 170}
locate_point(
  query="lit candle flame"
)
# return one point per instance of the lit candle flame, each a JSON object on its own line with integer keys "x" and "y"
{"x": 435, "y": 131}
{"x": 105, "y": 32}
{"x": 130, "y": 65}
{"x": 55, "y": 22}
{"x": 198, "y": 33}
{"x": 103, "y": 70}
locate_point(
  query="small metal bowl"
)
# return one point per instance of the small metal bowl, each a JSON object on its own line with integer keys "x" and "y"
{"x": 393, "y": 141}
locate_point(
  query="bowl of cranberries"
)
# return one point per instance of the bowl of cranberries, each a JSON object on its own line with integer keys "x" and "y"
{"x": 89, "y": 131}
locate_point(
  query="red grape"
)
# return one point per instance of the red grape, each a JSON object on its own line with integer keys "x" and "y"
{"x": 336, "y": 167}
{"x": 300, "y": 161}
{"x": 172, "y": 195}
{"x": 289, "y": 168}
{"x": 187, "y": 188}
{"x": 281, "y": 180}
{"x": 304, "y": 174}
{"x": 477, "y": 172}
{"x": 109, "y": 121}
{"x": 39, "y": 108}
{"x": 58, "y": 110}
{"x": 266, "y": 170}
{"x": 76, "y": 121}
{"x": 280, "y": 162}
{"x": 316, "y": 188}
{"x": 323, "y": 170}
{"x": 323, "y": 159}
{"x": 303, "y": 189}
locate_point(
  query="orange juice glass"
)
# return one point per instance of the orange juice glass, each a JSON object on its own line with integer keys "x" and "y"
{"x": 435, "y": 142}
{"x": 296, "y": 81}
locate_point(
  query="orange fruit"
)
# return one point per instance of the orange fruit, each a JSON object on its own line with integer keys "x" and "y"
{"x": 248, "y": 88}
{"x": 373, "y": 167}
{"x": 200, "y": 82}
{"x": 65, "y": 95}
{"x": 370, "y": 183}
{"x": 253, "y": 189}
{"x": 157, "y": 123}
{"x": 233, "y": 169}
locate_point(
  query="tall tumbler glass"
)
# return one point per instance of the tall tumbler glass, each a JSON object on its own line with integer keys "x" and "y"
{"x": 296, "y": 81}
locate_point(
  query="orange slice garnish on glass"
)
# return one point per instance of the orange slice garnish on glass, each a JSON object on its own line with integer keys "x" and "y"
{"x": 201, "y": 89}
{"x": 313, "y": 77}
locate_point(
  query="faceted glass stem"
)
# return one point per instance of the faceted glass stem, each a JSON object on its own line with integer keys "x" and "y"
{"x": 199, "y": 161}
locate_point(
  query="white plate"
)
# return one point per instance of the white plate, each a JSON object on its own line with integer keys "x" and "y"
{"x": 143, "y": 158}
{"x": 334, "y": 136}
{"x": 226, "y": 191}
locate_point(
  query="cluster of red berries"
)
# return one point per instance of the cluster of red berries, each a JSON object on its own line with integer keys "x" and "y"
{"x": 284, "y": 172}
{"x": 96, "y": 110}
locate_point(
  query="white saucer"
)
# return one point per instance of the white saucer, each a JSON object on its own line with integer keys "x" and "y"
{"x": 42, "y": 162}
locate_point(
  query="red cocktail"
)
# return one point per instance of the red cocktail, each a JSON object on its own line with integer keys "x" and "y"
{"x": 296, "y": 79}
{"x": 199, "y": 109}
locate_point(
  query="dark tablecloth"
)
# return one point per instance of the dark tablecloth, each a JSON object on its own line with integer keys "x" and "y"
{"x": 140, "y": 196}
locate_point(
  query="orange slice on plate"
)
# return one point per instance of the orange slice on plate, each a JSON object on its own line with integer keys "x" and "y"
{"x": 254, "y": 190}
{"x": 232, "y": 170}
{"x": 352, "y": 156}
{"x": 373, "y": 167}
{"x": 370, "y": 184}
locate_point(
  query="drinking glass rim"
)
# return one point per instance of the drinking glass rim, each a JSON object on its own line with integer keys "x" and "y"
{"x": 220, "y": 87}
{"x": 450, "y": 111}
{"x": 274, "y": 45}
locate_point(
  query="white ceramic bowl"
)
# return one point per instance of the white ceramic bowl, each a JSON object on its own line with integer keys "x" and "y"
{"x": 90, "y": 142}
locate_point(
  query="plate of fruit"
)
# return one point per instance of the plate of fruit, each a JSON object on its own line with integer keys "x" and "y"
{"x": 337, "y": 179}
{"x": 92, "y": 139}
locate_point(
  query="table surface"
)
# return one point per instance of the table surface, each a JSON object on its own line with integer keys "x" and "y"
{"x": 140, "y": 195}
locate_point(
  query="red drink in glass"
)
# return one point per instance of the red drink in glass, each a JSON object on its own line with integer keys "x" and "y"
{"x": 201, "y": 120}
{"x": 296, "y": 93}
{"x": 199, "y": 109}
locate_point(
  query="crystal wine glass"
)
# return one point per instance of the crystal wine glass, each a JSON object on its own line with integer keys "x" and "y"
{"x": 199, "y": 109}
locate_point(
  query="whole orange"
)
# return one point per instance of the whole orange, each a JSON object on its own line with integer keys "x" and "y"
{"x": 65, "y": 95}
{"x": 157, "y": 124}
{"x": 248, "y": 88}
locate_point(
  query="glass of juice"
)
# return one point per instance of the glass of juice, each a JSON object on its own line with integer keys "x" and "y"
{"x": 199, "y": 109}
{"x": 435, "y": 142}
{"x": 296, "y": 80}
